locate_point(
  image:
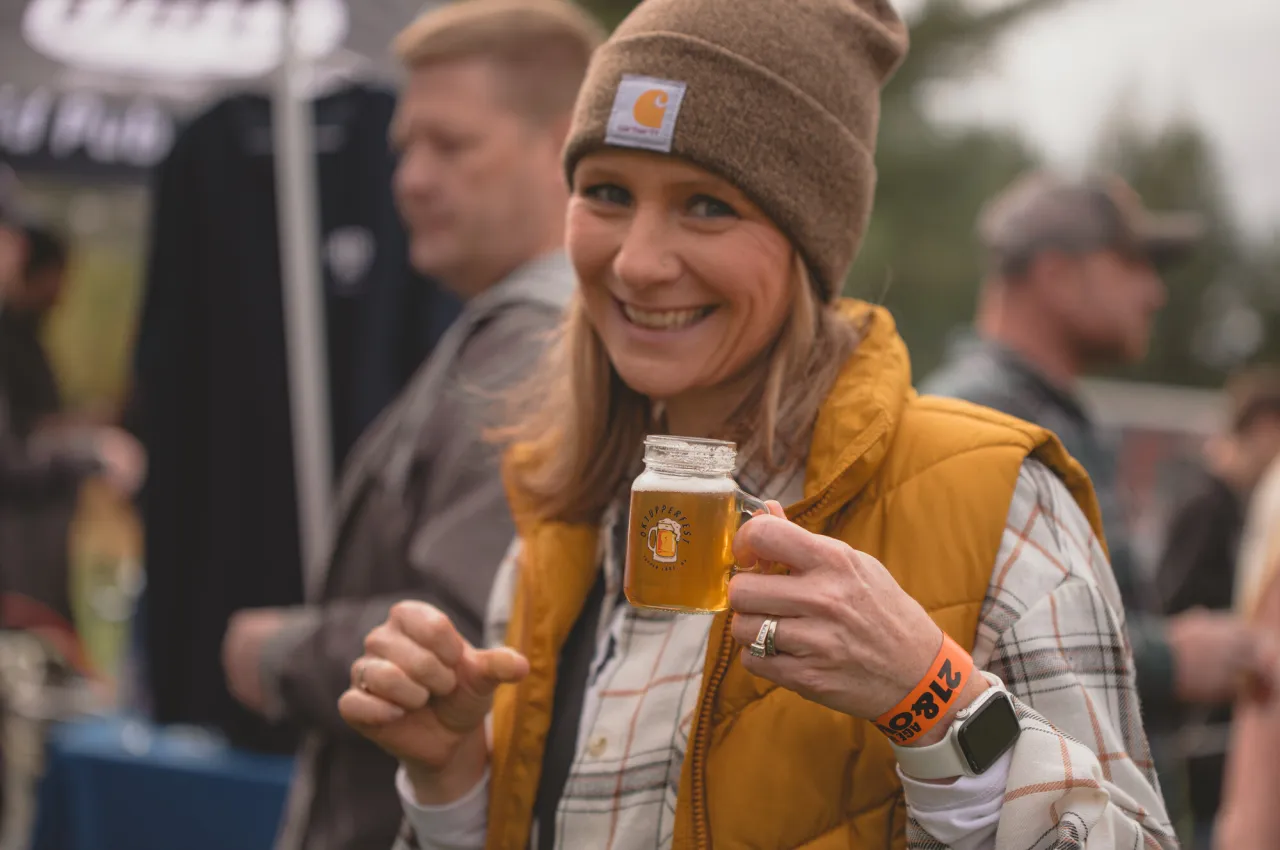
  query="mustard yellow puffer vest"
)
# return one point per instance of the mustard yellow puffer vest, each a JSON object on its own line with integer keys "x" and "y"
{"x": 924, "y": 485}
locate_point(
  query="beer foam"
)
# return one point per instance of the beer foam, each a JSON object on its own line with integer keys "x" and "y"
{"x": 650, "y": 482}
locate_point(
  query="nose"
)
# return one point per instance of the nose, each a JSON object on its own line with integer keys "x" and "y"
{"x": 645, "y": 258}
{"x": 416, "y": 175}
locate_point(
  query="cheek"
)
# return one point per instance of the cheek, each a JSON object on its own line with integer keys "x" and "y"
{"x": 755, "y": 286}
{"x": 591, "y": 243}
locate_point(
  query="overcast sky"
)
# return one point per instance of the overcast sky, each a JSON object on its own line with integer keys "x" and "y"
{"x": 1059, "y": 77}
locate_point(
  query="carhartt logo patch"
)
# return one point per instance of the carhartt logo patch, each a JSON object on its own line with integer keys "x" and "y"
{"x": 644, "y": 113}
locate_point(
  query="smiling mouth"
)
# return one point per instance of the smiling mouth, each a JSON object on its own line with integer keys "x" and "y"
{"x": 665, "y": 320}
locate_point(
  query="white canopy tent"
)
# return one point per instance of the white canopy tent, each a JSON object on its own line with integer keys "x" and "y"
{"x": 183, "y": 54}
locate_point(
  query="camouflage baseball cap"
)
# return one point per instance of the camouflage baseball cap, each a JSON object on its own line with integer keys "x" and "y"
{"x": 1042, "y": 211}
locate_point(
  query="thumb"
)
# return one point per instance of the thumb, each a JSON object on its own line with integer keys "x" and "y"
{"x": 494, "y": 667}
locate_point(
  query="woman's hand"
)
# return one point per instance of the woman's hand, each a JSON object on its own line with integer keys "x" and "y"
{"x": 848, "y": 636}
{"x": 421, "y": 692}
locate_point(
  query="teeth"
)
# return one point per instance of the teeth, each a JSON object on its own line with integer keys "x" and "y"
{"x": 663, "y": 320}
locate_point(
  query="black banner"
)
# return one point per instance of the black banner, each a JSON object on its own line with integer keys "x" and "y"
{"x": 82, "y": 133}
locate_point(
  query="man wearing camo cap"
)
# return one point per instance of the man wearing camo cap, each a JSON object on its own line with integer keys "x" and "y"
{"x": 1073, "y": 283}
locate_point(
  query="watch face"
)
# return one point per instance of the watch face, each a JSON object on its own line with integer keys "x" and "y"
{"x": 987, "y": 735}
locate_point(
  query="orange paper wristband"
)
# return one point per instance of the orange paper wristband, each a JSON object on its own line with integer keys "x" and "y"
{"x": 927, "y": 703}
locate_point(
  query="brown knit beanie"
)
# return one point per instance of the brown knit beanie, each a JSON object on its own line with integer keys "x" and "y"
{"x": 779, "y": 97}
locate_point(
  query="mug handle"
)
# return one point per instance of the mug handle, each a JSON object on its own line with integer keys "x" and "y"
{"x": 652, "y": 548}
{"x": 748, "y": 506}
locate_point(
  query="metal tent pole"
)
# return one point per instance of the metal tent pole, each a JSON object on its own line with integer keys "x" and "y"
{"x": 298, "y": 220}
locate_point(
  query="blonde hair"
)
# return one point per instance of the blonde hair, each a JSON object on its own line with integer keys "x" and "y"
{"x": 579, "y": 429}
{"x": 543, "y": 45}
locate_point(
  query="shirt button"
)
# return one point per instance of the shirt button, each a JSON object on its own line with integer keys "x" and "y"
{"x": 597, "y": 746}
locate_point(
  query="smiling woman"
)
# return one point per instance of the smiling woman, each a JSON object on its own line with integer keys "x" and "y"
{"x": 691, "y": 301}
{"x": 936, "y": 585}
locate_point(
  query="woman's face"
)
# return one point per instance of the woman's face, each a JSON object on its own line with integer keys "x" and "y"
{"x": 686, "y": 281}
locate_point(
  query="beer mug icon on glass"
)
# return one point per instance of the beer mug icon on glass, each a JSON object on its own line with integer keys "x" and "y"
{"x": 686, "y": 509}
{"x": 663, "y": 540}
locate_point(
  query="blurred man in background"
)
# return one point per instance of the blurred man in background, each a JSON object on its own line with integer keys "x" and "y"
{"x": 1257, "y": 412}
{"x": 1073, "y": 284}
{"x": 1249, "y": 816}
{"x": 1197, "y": 566}
{"x": 13, "y": 246}
{"x": 41, "y": 467}
{"x": 421, "y": 510}
{"x": 33, "y": 394}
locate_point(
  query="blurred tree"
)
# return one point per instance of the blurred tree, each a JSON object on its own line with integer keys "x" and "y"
{"x": 919, "y": 256}
{"x": 1261, "y": 280}
{"x": 610, "y": 12}
{"x": 1217, "y": 312}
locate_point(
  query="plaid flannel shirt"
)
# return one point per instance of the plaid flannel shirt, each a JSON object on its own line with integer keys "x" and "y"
{"x": 988, "y": 373}
{"x": 1051, "y": 628}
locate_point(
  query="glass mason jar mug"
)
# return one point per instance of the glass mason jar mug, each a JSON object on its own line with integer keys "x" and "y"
{"x": 685, "y": 510}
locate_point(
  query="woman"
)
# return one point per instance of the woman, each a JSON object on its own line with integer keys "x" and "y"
{"x": 721, "y": 167}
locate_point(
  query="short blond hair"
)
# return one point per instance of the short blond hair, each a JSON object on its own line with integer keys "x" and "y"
{"x": 543, "y": 45}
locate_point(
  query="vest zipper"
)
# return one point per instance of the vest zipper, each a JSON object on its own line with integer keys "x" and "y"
{"x": 702, "y": 730}
{"x": 702, "y": 740}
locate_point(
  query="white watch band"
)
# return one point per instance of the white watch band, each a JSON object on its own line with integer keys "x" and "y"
{"x": 944, "y": 760}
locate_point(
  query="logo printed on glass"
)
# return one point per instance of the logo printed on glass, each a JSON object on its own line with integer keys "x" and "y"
{"x": 644, "y": 114}
{"x": 664, "y": 528}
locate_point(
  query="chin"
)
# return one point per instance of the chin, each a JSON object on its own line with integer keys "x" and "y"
{"x": 428, "y": 259}
{"x": 658, "y": 381}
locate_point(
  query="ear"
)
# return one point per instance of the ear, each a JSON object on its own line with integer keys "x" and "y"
{"x": 1048, "y": 272}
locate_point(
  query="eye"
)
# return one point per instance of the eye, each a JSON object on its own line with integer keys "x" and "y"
{"x": 451, "y": 145}
{"x": 705, "y": 206}
{"x": 607, "y": 193}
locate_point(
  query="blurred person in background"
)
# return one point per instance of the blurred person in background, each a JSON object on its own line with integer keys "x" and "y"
{"x": 35, "y": 400}
{"x": 1257, "y": 399}
{"x": 1197, "y": 566}
{"x": 42, "y": 466}
{"x": 1249, "y": 816}
{"x": 1073, "y": 284}
{"x": 421, "y": 511}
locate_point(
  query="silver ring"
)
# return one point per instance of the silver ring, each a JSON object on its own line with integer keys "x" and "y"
{"x": 763, "y": 646}
{"x": 360, "y": 683}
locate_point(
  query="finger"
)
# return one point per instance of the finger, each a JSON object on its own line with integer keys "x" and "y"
{"x": 383, "y": 679}
{"x": 772, "y": 538}
{"x": 430, "y": 628}
{"x": 769, "y": 595}
{"x": 786, "y": 670}
{"x": 365, "y": 711}
{"x": 788, "y": 636}
{"x": 422, "y": 665}
{"x": 775, "y": 509}
{"x": 490, "y": 668}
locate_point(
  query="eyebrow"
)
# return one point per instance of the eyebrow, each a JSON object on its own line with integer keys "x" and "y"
{"x": 694, "y": 184}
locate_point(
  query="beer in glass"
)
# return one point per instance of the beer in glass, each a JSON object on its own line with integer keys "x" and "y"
{"x": 685, "y": 510}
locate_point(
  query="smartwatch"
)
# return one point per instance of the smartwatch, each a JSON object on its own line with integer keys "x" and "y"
{"x": 979, "y": 735}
